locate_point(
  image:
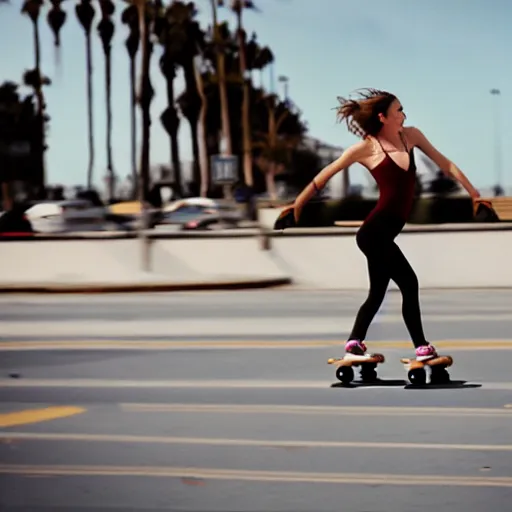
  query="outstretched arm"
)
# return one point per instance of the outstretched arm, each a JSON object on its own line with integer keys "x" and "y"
{"x": 350, "y": 156}
{"x": 446, "y": 165}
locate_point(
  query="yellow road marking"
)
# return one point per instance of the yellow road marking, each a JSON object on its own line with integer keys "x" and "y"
{"x": 135, "y": 439}
{"x": 25, "y": 417}
{"x": 261, "y": 476}
{"x": 456, "y": 344}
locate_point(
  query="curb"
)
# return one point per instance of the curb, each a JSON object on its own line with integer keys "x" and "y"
{"x": 248, "y": 284}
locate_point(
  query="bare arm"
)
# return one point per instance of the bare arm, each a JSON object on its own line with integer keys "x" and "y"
{"x": 446, "y": 165}
{"x": 348, "y": 157}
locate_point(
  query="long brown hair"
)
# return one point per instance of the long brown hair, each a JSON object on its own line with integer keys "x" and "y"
{"x": 362, "y": 114}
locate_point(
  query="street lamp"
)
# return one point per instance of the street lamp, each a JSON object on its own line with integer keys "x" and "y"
{"x": 285, "y": 80}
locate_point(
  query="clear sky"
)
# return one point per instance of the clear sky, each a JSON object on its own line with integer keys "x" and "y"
{"x": 440, "y": 57}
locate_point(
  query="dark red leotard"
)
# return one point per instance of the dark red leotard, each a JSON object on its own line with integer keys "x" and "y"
{"x": 396, "y": 187}
{"x": 386, "y": 261}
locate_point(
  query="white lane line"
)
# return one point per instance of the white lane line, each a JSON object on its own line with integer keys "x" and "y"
{"x": 381, "y": 479}
{"x": 316, "y": 410}
{"x": 265, "y": 443}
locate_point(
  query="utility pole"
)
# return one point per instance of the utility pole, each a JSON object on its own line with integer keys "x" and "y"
{"x": 285, "y": 80}
{"x": 496, "y": 93}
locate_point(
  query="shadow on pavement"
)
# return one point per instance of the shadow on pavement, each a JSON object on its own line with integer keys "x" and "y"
{"x": 454, "y": 384}
{"x": 378, "y": 382}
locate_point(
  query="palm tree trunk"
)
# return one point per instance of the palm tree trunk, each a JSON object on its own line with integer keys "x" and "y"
{"x": 133, "y": 129}
{"x": 346, "y": 181}
{"x": 192, "y": 118}
{"x": 246, "y": 141}
{"x": 201, "y": 134}
{"x": 146, "y": 124}
{"x": 40, "y": 107}
{"x": 173, "y": 136}
{"x": 223, "y": 93}
{"x": 224, "y": 106}
{"x": 195, "y": 150}
{"x": 270, "y": 179}
{"x": 145, "y": 101}
{"x": 146, "y": 129}
{"x": 110, "y": 168}
{"x": 89, "y": 110}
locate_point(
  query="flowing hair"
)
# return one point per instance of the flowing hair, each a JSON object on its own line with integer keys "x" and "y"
{"x": 362, "y": 114}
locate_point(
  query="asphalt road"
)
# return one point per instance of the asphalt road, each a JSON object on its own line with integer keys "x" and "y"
{"x": 224, "y": 402}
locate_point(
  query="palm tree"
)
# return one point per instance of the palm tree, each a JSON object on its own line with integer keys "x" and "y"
{"x": 210, "y": 80}
{"x": 106, "y": 32}
{"x": 148, "y": 11}
{"x": 10, "y": 107}
{"x": 219, "y": 43}
{"x": 263, "y": 58}
{"x": 35, "y": 79}
{"x": 172, "y": 46}
{"x": 130, "y": 18}
{"x": 276, "y": 142}
{"x": 237, "y": 6}
{"x": 85, "y": 14}
{"x": 19, "y": 141}
{"x": 201, "y": 128}
{"x": 189, "y": 33}
{"x": 56, "y": 18}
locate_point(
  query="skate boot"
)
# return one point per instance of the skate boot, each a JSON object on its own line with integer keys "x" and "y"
{"x": 425, "y": 352}
{"x": 355, "y": 347}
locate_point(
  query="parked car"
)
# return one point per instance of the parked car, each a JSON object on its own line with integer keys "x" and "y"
{"x": 66, "y": 216}
{"x": 213, "y": 221}
{"x": 126, "y": 215}
{"x": 198, "y": 213}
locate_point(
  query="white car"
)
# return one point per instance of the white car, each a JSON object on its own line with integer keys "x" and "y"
{"x": 199, "y": 203}
{"x": 66, "y": 216}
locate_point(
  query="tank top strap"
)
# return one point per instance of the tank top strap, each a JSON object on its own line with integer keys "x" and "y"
{"x": 380, "y": 144}
{"x": 402, "y": 138}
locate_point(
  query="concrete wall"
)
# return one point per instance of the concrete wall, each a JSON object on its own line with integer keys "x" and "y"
{"x": 441, "y": 259}
{"x": 443, "y": 256}
{"x": 117, "y": 261}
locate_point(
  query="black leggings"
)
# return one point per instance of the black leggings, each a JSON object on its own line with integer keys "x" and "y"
{"x": 385, "y": 262}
